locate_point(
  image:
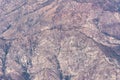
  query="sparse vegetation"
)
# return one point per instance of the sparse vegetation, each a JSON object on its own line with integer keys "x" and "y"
{"x": 59, "y": 40}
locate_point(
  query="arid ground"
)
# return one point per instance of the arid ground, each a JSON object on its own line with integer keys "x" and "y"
{"x": 59, "y": 39}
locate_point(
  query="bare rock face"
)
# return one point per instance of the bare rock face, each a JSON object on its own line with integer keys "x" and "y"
{"x": 59, "y": 40}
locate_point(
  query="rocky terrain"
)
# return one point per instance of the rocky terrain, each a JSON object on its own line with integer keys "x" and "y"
{"x": 59, "y": 39}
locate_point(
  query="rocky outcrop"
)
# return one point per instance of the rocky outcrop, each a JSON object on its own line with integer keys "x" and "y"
{"x": 59, "y": 40}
